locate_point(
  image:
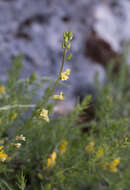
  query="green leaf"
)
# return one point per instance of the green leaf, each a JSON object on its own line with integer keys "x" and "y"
{"x": 65, "y": 34}
{"x": 86, "y": 101}
{"x": 69, "y": 56}
{"x": 32, "y": 78}
{"x": 47, "y": 187}
{"x": 66, "y": 39}
{"x": 14, "y": 71}
{"x": 70, "y": 35}
{"x": 3, "y": 183}
{"x": 68, "y": 45}
{"x": 63, "y": 45}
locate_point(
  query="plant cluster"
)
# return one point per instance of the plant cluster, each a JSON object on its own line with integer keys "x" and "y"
{"x": 41, "y": 152}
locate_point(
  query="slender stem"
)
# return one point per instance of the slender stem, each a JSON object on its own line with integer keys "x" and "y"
{"x": 61, "y": 70}
{"x": 57, "y": 80}
{"x": 17, "y": 106}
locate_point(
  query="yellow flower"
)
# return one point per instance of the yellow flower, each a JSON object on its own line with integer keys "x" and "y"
{"x": 2, "y": 89}
{"x": 59, "y": 97}
{"x": 63, "y": 146}
{"x": 52, "y": 160}
{"x": 67, "y": 71}
{"x": 1, "y": 147}
{"x": 100, "y": 152}
{"x": 112, "y": 166}
{"x": 14, "y": 115}
{"x": 3, "y": 156}
{"x": 90, "y": 147}
{"x": 53, "y": 156}
{"x": 44, "y": 115}
{"x": 18, "y": 145}
{"x": 21, "y": 138}
{"x": 65, "y": 75}
{"x": 115, "y": 162}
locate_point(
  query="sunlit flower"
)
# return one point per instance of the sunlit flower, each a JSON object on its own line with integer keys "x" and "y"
{"x": 90, "y": 147}
{"x": 18, "y": 145}
{"x": 59, "y": 97}
{"x": 67, "y": 71}
{"x": 115, "y": 162}
{"x": 52, "y": 160}
{"x": 63, "y": 146}
{"x": 2, "y": 89}
{"x": 111, "y": 166}
{"x": 21, "y": 138}
{"x": 53, "y": 156}
{"x": 65, "y": 75}
{"x": 3, "y": 156}
{"x": 44, "y": 115}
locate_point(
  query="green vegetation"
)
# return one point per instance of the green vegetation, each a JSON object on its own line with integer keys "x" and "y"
{"x": 42, "y": 152}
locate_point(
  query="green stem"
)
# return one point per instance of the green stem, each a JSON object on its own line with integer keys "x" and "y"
{"x": 7, "y": 107}
{"x": 57, "y": 80}
{"x": 61, "y": 70}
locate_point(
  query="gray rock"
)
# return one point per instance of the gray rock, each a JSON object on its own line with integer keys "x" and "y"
{"x": 35, "y": 29}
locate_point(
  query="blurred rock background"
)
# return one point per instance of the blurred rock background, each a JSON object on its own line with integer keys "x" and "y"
{"x": 34, "y": 27}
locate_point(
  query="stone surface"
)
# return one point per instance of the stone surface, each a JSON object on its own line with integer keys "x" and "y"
{"x": 35, "y": 27}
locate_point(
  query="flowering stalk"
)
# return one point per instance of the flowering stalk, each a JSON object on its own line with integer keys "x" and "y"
{"x": 65, "y": 46}
{"x": 57, "y": 80}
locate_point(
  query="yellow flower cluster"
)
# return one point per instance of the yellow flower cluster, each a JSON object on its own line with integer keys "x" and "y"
{"x": 18, "y": 138}
{"x": 59, "y": 97}
{"x": 65, "y": 75}
{"x": 44, "y": 115}
{"x": 63, "y": 146}
{"x": 3, "y": 155}
{"x": 90, "y": 147}
{"x": 52, "y": 160}
{"x": 2, "y": 89}
{"x": 112, "y": 166}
